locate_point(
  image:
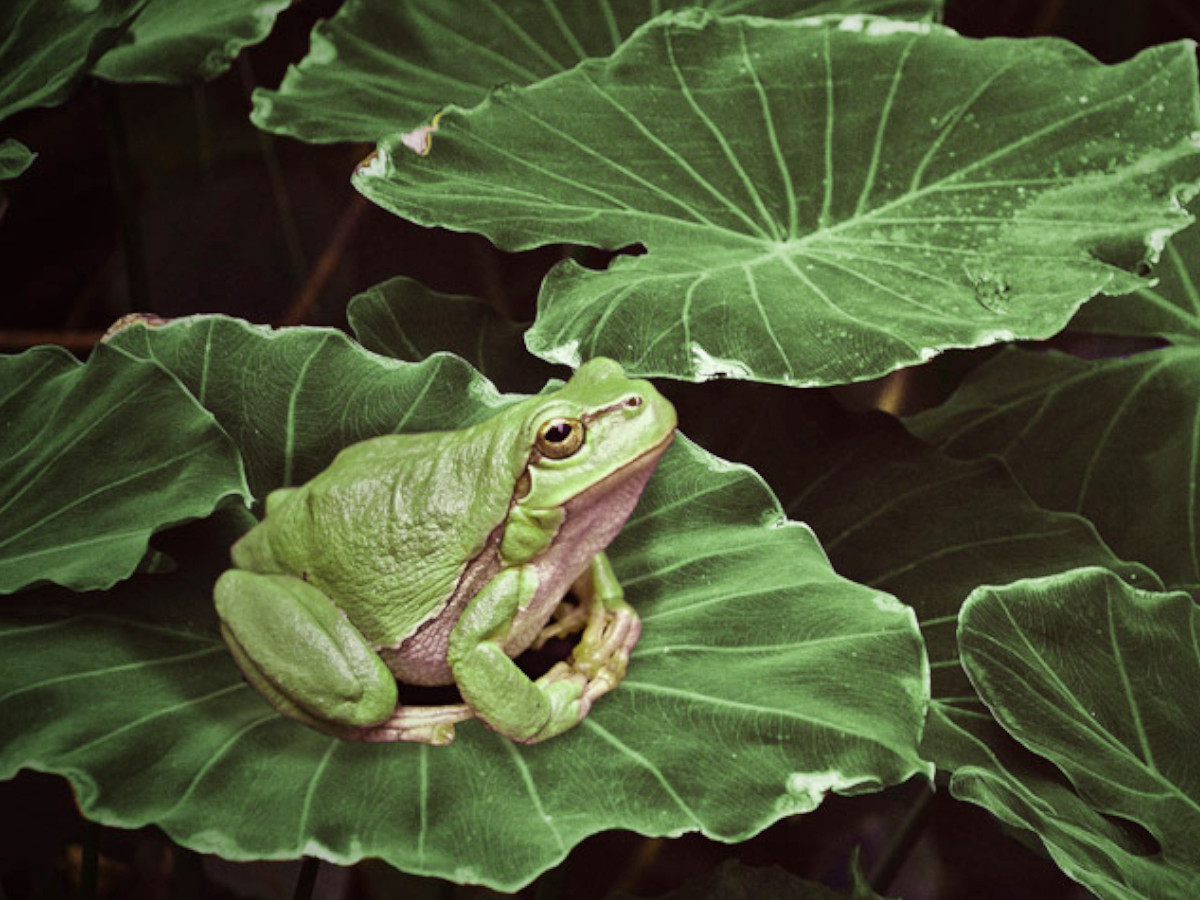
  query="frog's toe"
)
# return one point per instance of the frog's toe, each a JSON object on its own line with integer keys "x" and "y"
{"x": 613, "y": 640}
{"x": 417, "y": 724}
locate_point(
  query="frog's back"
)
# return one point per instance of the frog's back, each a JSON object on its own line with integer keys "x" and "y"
{"x": 388, "y": 529}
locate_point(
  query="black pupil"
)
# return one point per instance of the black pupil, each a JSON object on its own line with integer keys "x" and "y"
{"x": 556, "y": 434}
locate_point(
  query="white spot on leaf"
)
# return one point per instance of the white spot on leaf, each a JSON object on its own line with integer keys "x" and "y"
{"x": 708, "y": 367}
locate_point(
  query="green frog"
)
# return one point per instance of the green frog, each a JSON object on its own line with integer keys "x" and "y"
{"x": 436, "y": 558}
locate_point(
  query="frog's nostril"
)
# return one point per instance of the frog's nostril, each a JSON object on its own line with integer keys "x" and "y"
{"x": 633, "y": 402}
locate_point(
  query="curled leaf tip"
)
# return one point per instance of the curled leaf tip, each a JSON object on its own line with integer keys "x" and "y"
{"x": 129, "y": 320}
{"x": 419, "y": 140}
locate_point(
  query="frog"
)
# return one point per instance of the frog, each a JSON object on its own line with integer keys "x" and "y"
{"x": 437, "y": 558}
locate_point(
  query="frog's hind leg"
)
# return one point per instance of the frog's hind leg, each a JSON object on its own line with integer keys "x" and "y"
{"x": 301, "y": 653}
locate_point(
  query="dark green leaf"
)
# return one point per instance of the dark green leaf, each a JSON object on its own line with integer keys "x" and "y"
{"x": 15, "y": 158}
{"x": 762, "y": 680}
{"x": 403, "y": 319}
{"x": 50, "y": 45}
{"x": 1102, "y": 681}
{"x": 182, "y": 40}
{"x": 94, "y": 459}
{"x": 1114, "y": 858}
{"x": 894, "y": 513}
{"x": 820, "y": 200}
{"x": 380, "y": 67}
{"x": 1114, "y": 440}
{"x": 1170, "y": 309}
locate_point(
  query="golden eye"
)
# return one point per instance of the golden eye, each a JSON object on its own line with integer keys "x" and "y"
{"x": 560, "y": 437}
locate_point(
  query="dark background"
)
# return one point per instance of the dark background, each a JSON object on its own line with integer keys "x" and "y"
{"x": 167, "y": 200}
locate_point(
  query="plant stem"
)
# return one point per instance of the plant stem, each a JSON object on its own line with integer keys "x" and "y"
{"x": 307, "y": 878}
{"x": 327, "y": 263}
{"x": 895, "y": 854}
{"x": 187, "y": 874}
{"x": 89, "y": 861}
{"x": 283, "y": 201}
{"x": 121, "y": 167}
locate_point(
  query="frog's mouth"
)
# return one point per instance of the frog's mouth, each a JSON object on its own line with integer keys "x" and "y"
{"x": 636, "y": 473}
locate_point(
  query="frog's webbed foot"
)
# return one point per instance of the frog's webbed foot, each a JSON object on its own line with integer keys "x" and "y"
{"x": 419, "y": 724}
{"x": 601, "y": 658}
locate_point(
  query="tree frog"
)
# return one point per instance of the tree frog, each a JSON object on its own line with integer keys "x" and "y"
{"x": 437, "y": 558}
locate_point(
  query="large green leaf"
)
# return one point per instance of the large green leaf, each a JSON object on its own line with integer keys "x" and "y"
{"x": 820, "y": 199}
{"x": 379, "y": 67}
{"x": 182, "y": 40}
{"x": 94, "y": 459}
{"x": 1116, "y": 440}
{"x": 1102, "y": 681}
{"x": 892, "y": 512}
{"x": 50, "y": 45}
{"x": 762, "y": 680}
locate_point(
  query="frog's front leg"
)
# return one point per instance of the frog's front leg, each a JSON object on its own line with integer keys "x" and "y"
{"x": 298, "y": 649}
{"x": 500, "y": 693}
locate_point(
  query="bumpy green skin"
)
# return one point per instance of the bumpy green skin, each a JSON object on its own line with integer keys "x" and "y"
{"x": 438, "y": 557}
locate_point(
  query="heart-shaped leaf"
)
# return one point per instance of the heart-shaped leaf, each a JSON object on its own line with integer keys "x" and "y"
{"x": 1102, "y": 681}
{"x": 94, "y": 459}
{"x": 762, "y": 680}
{"x": 820, "y": 200}
{"x": 379, "y": 67}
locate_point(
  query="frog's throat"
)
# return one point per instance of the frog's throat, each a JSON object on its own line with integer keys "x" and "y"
{"x": 591, "y": 520}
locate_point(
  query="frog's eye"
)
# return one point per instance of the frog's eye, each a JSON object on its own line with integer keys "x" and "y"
{"x": 560, "y": 437}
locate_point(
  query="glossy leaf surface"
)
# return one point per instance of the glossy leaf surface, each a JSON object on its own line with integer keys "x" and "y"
{"x": 94, "y": 459}
{"x": 762, "y": 680}
{"x": 1169, "y": 309}
{"x": 820, "y": 200}
{"x": 378, "y": 67}
{"x": 1101, "y": 681}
